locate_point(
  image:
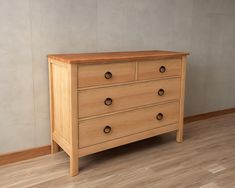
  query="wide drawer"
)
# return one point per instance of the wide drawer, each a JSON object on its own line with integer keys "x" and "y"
{"x": 114, "y": 126}
{"x": 109, "y": 99}
{"x": 92, "y": 75}
{"x": 159, "y": 69}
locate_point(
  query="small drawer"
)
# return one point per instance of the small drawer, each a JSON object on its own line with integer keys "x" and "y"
{"x": 114, "y": 126}
{"x": 159, "y": 69}
{"x": 93, "y": 75}
{"x": 115, "y": 98}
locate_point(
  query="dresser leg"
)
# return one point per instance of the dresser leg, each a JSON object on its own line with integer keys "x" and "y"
{"x": 54, "y": 147}
{"x": 179, "y": 135}
{"x": 74, "y": 165}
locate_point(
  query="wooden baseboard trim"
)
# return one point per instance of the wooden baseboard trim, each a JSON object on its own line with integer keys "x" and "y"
{"x": 208, "y": 115}
{"x": 24, "y": 154}
{"x": 45, "y": 150}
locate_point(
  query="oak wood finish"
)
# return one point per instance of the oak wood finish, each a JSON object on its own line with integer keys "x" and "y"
{"x": 44, "y": 150}
{"x": 103, "y": 100}
{"x": 208, "y": 115}
{"x": 54, "y": 145}
{"x": 91, "y": 102}
{"x": 24, "y": 155}
{"x": 179, "y": 135}
{"x": 91, "y": 75}
{"x": 195, "y": 163}
{"x": 152, "y": 69}
{"x": 74, "y": 153}
{"x": 124, "y": 124}
{"x": 127, "y": 139}
{"x": 63, "y": 105}
{"x": 105, "y": 57}
{"x": 61, "y": 102}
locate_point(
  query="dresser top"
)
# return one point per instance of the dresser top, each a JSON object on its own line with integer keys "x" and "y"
{"x": 84, "y": 58}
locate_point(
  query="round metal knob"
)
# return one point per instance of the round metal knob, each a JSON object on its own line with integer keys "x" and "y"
{"x": 108, "y": 101}
{"x": 108, "y": 75}
{"x": 107, "y": 129}
{"x": 159, "y": 116}
{"x": 161, "y": 92}
{"x": 162, "y": 69}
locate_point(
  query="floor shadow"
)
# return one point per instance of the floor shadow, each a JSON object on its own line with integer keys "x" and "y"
{"x": 128, "y": 149}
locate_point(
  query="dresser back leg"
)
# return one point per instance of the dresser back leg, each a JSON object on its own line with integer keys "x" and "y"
{"x": 54, "y": 147}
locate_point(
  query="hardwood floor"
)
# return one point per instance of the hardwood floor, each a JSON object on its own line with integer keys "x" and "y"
{"x": 206, "y": 159}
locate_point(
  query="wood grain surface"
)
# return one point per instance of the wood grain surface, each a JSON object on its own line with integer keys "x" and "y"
{"x": 102, "y": 57}
{"x": 205, "y": 159}
{"x": 127, "y": 123}
{"x": 151, "y": 69}
{"x": 83, "y": 100}
{"x": 91, "y": 102}
{"x": 92, "y": 75}
{"x": 24, "y": 155}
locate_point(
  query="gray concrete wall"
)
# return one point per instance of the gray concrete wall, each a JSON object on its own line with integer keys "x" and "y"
{"x": 31, "y": 29}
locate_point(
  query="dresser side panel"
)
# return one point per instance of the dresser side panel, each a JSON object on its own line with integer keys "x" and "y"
{"x": 61, "y": 123}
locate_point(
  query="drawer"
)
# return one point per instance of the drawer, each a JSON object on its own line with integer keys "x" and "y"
{"x": 92, "y": 75}
{"x": 114, "y": 126}
{"x": 109, "y": 99}
{"x": 159, "y": 69}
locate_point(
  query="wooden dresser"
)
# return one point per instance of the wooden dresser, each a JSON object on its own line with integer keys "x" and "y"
{"x": 103, "y": 100}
